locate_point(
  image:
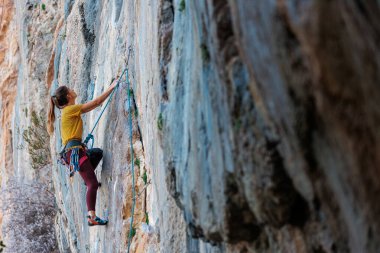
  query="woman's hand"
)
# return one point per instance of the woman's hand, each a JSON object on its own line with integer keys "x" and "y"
{"x": 99, "y": 100}
{"x": 114, "y": 83}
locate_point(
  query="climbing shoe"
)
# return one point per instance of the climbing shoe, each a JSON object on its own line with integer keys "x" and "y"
{"x": 96, "y": 221}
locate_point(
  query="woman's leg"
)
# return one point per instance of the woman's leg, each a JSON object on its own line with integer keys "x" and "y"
{"x": 87, "y": 173}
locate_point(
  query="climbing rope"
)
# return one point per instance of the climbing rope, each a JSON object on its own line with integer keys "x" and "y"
{"x": 132, "y": 163}
{"x": 91, "y": 137}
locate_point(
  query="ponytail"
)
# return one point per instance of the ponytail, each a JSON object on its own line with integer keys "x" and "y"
{"x": 59, "y": 100}
{"x": 51, "y": 117}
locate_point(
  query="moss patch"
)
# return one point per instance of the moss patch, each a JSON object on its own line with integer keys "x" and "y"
{"x": 160, "y": 122}
{"x": 37, "y": 138}
{"x": 137, "y": 162}
{"x": 182, "y": 6}
{"x": 145, "y": 177}
{"x": 133, "y": 232}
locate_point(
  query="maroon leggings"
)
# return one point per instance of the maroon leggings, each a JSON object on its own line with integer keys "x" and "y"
{"x": 87, "y": 173}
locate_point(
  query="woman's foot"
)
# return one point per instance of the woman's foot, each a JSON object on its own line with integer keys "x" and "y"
{"x": 92, "y": 221}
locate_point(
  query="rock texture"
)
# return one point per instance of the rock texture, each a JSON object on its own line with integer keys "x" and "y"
{"x": 8, "y": 76}
{"x": 27, "y": 198}
{"x": 8, "y": 61}
{"x": 254, "y": 123}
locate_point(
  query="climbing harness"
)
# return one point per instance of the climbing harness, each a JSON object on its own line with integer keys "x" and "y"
{"x": 74, "y": 161}
{"x": 74, "y": 164}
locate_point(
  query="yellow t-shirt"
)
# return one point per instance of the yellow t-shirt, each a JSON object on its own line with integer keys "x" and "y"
{"x": 71, "y": 123}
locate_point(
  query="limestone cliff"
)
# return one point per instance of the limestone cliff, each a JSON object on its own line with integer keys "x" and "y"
{"x": 254, "y": 125}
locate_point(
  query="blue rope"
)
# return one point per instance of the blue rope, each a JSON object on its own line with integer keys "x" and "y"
{"x": 132, "y": 163}
{"x": 90, "y": 136}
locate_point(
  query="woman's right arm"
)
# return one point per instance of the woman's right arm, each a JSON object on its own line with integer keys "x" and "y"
{"x": 89, "y": 106}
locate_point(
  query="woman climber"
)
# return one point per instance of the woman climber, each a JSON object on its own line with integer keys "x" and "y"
{"x": 75, "y": 150}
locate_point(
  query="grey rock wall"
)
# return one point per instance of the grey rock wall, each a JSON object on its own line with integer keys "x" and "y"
{"x": 27, "y": 197}
{"x": 254, "y": 122}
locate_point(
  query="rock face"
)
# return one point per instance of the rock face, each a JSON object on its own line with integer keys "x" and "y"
{"x": 8, "y": 76}
{"x": 8, "y": 60}
{"x": 254, "y": 123}
{"x": 27, "y": 198}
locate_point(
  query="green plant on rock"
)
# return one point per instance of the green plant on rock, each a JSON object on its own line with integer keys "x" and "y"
{"x": 145, "y": 177}
{"x": 137, "y": 162}
{"x": 43, "y": 6}
{"x": 160, "y": 122}
{"x": 133, "y": 232}
{"x": 182, "y": 6}
{"x": 37, "y": 139}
